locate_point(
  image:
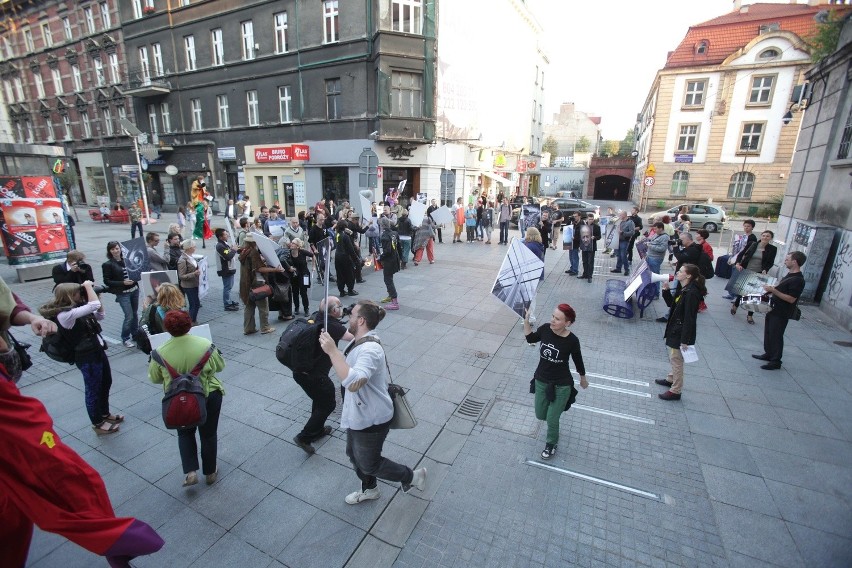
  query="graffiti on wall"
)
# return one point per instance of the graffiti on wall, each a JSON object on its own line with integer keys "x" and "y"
{"x": 838, "y": 292}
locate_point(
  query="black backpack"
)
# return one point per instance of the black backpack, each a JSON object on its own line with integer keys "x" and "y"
{"x": 298, "y": 348}
{"x": 57, "y": 347}
{"x": 705, "y": 266}
{"x": 184, "y": 404}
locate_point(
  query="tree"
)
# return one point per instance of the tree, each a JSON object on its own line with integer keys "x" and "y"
{"x": 824, "y": 41}
{"x": 609, "y": 148}
{"x": 550, "y": 146}
{"x": 582, "y": 145}
{"x": 626, "y": 145}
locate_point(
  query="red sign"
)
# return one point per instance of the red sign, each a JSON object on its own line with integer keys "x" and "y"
{"x": 298, "y": 152}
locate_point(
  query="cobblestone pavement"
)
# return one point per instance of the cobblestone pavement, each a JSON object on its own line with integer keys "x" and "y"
{"x": 750, "y": 468}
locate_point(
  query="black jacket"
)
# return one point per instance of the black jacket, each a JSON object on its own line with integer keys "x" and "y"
{"x": 225, "y": 259}
{"x": 174, "y": 253}
{"x": 680, "y": 328}
{"x": 390, "y": 251}
{"x": 61, "y": 274}
{"x": 766, "y": 261}
{"x": 114, "y": 277}
{"x": 687, "y": 255}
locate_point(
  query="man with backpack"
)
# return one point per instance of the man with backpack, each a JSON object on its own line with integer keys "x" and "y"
{"x": 310, "y": 366}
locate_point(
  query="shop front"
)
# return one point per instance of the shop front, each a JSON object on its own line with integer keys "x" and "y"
{"x": 275, "y": 175}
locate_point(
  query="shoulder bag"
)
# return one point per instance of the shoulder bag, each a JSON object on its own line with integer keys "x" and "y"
{"x": 260, "y": 289}
{"x": 403, "y": 416}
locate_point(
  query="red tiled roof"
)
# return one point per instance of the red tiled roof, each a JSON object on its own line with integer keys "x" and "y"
{"x": 726, "y": 34}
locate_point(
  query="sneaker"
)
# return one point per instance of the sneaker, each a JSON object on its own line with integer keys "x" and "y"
{"x": 129, "y": 343}
{"x": 615, "y": 270}
{"x": 418, "y": 481}
{"x": 250, "y": 332}
{"x": 669, "y": 395}
{"x": 211, "y": 479}
{"x": 308, "y": 449}
{"x": 393, "y": 305}
{"x": 268, "y": 329}
{"x": 662, "y": 319}
{"x": 232, "y": 308}
{"x": 548, "y": 452}
{"x": 385, "y": 300}
{"x": 353, "y": 292}
{"x": 664, "y": 383}
{"x": 361, "y": 496}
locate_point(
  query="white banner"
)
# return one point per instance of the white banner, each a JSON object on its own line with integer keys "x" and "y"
{"x": 267, "y": 248}
{"x": 416, "y": 212}
{"x": 203, "y": 278}
{"x": 200, "y": 330}
{"x": 442, "y": 215}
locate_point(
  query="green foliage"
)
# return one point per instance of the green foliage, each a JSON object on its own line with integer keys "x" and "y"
{"x": 583, "y": 144}
{"x": 824, "y": 41}
{"x": 609, "y": 148}
{"x": 772, "y": 208}
{"x": 550, "y": 145}
{"x": 626, "y": 145}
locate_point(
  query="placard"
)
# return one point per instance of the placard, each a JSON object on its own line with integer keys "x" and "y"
{"x": 158, "y": 339}
{"x": 203, "y": 277}
{"x": 416, "y": 212}
{"x": 135, "y": 258}
{"x": 518, "y": 278}
{"x": 151, "y": 282}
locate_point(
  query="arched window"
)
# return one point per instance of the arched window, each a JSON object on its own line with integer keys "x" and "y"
{"x": 702, "y": 47}
{"x": 680, "y": 180}
{"x": 769, "y": 53}
{"x": 741, "y": 185}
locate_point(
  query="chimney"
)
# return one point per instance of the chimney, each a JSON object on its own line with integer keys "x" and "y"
{"x": 737, "y": 4}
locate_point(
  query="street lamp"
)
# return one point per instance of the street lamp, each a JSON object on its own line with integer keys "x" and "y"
{"x": 130, "y": 130}
{"x": 740, "y": 186}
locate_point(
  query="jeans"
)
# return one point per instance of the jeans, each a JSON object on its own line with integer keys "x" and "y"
{"x": 227, "y": 285}
{"x": 574, "y": 259}
{"x": 193, "y": 300}
{"x": 479, "y": 228}
{"x": 655, "y": 264}
{"x": 207, "y": 433}
{"x": 157, "y": 210}
{"x": 389, "y": 284}
{"x": 129, "y": 302}
{"x": 364, "y": 450}
{"x": 504, "y": 232}
{"x": 405, "y": 245}
{"x": 551, "y": 411}
{"x": 622, "y": 262}
{"x": 97, "y": 380}
{"x": 136, "y": 225}
{"x": 471, "y": 233}
{"x": 320, "y": 390}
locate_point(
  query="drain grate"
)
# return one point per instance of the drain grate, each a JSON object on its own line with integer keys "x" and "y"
{"x": 471, "y": 408}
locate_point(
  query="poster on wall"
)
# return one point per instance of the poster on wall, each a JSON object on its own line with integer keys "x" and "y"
{"x": 32, "y": 220}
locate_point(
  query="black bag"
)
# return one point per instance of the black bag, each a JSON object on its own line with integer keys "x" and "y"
{"x": 795, "y": 313}
{"x": 297, "y": 347}
{"x": 21, "y": 349}
{"x": 723, "y": 269}
{"x": 184, "y": 404}
{"x": 705, "y": 265}
{"x": 58, "y": 348}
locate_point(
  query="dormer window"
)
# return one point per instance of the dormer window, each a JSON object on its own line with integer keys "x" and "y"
{"x": 768, "y": 54}
{"x": 702, "y": 47}
{"x": 767, "y": 28}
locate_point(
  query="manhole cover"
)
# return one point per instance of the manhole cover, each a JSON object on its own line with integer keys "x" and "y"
{"x": 481, "y": 355}
{"x": 471, "y": 408}
{"x": 843, "y": 343}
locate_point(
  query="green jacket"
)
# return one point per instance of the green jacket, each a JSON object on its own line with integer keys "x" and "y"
{"x": 183, "y": 353}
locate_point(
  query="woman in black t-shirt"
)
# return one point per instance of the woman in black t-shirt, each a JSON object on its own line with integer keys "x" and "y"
{"x": 552, "y": 378}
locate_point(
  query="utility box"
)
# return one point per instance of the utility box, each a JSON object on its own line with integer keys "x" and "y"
{"x": 813, "y": 239}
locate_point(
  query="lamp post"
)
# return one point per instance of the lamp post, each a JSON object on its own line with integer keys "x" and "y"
{"x": 132, "y": 131}
{"x": 740, "y": 187}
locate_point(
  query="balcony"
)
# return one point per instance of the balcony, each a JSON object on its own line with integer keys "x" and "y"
{"x": 141, "y": 84}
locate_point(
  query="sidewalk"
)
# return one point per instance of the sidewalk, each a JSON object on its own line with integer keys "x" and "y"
{"x": 751, "y": 468}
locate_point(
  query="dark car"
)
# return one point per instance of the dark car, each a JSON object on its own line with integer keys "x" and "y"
{"x": 568, "y": 206}
{"x": 516, "y": 202}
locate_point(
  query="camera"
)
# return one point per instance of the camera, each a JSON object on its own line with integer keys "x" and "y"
{"x": 98, "y": 289}
{"x": 348, "y": 311}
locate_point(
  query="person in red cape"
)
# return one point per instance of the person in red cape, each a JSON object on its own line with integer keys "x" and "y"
{"x": 43, "y": 481}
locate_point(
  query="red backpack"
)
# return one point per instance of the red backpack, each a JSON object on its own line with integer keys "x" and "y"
{"x": 184, "y": 404}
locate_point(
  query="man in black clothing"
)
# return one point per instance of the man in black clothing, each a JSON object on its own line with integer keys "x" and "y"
{"x": 345, "y": 259}
{"x": 637, "y": 223}
{"x": 316, "y": 383}
{"x": 73, "y": 270}
{"x": 783, "y": 299}
{"x": 431, "y": 209}
{"x": 316, "y": 235}
{"x": 174, "y": 250}
{"x": 225, "y": 254}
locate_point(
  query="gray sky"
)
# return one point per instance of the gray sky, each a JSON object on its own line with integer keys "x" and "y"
{"x": 604, "y": 53}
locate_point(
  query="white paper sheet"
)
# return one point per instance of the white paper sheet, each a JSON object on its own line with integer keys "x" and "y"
{"x": 690, "y": 354}
{"x": 416, "y": 212}
{"x": 199, "y": 330}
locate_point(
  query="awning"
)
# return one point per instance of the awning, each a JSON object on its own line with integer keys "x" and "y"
{"x": 498, "y": 178}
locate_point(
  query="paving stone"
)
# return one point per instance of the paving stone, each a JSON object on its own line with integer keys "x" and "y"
{"x": 310, "y": 548}
{"x": 765, "y": 538}
{"x": 230, "y": 498}
{"x": 812, "y": 508}
{"x": 373, "y": 553}
{"x": 739, "y": 489}
{"x": 189, "y": 535}
{"x": 231, "y": 551}
{"x": 820, "y": 548}
{"x": 398, "y": 520}
{"x": 724, "y": 453}
{"x": 446, "y": 447}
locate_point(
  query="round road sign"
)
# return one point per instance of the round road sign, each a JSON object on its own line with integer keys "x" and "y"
{"x": 649, "y": 181}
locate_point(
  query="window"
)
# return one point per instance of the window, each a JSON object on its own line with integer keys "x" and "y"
{"x": 751, "y": 137}
{"x": 741, "y": 185}
{"x": 19, "y": 89}
{"x": 144, "y": 70}
{"x": 152, "y": 118}
{"x": 48, "y": 38}
{"x": 258, "y": 181}
{"x": 183, "y": 2}
{"x": 28, "y": 40}
{"x": 137, "y": 9}
{"x": 761, "y": 90}
{"x": 195, "y": 104}
{"x": 766, "y": 28}
{"x": 90, "y": 19}
{"x": 694, "y": 96}
{"x": 66, "y": 122}
{"x": 332, "y": 96}
{"x": 39, "y": 84}
{"x": 284, "y": 103}
{"x": 845, "y": 138}
{"x": 702, "y": 47}
{"x": 113, "y": 68}
{"x": 331, "y": 22}
{"x": 189, "y": 48}
{"x": 99, "y": 72}
{"x": 251, "y": 105}
{"x": 105, "y": 18}
{"x": 122, "y": 113}
{"x": 406, "y": 95}
{"x": 680, "y": 180}
{"x": 273, "y": 185}
{"x": 224, "y": 115}
{"x": 57, "y": 81}
{"x": 280, "y": 32}
{"x": 158, "y": 60}
{"x": 30, "y": 133}
{"x": 248, "y": 40}
{"x": 108, "y": 126}
{"x": 9, "y": 93}
{"x": 48, "y": 128}
{"x": 166, "y": 116}
{"x": 218, "y": 47}
{"x": 687, "y": 138}
{"x": 407, "y": 16}
{"x": 87, "y": 124}
{"x": 77, "y": 78}
{"x": 66, "y": 27}
{"x": 8, "y": 48}
{"x": 770, "y": 53}
{"x": 19, "y": 129}
{"x": 535, "y": 106}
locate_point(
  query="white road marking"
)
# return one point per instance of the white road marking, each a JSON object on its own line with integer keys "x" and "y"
{"x": 593, "y": 479}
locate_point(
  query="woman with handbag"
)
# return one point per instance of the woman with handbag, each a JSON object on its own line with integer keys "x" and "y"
{"x": 188, "y": 275}
{"x": 254, "y": 290}
{"x": 77, "y": 317}
{"x": 126, "y": 291}
{"x": 183, "y": 352}
{"x": 759, "y": 257}
{"x": 552, "y": 382}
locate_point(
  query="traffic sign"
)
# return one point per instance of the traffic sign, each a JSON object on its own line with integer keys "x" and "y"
{"x": 649, "y": 181}
{"x": 650, "y": 171}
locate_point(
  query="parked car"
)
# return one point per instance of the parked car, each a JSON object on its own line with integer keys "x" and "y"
{"x": 568, "y": 206}
{"x": 702, "y": 215}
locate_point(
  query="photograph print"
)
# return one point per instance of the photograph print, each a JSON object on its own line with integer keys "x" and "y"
{"x": 518, "y": 278}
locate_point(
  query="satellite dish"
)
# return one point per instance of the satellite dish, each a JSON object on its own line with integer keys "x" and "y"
{"x": 171, "y": 170}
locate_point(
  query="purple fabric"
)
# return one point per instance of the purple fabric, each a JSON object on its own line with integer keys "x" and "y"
{"x": 139, "y": 539}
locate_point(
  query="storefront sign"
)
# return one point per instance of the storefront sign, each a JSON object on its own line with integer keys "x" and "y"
{"x": 682, "y": 159}
{"x": 298, "y": 152}
{"x": 227, "y": 153}
{"x": 500, "y": 161}
{"x": 400, "y": 152}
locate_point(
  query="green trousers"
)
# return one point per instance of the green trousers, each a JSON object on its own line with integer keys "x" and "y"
{"x": 551, "y": 411}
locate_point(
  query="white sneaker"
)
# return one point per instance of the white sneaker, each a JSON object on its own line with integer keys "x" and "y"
{"x": 418, "y": 481}
{"x": 359, "y": 496}
{"x": 129, "y": 343}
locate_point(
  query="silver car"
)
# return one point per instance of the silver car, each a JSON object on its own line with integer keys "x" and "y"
{"x": 702, "y": 215}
